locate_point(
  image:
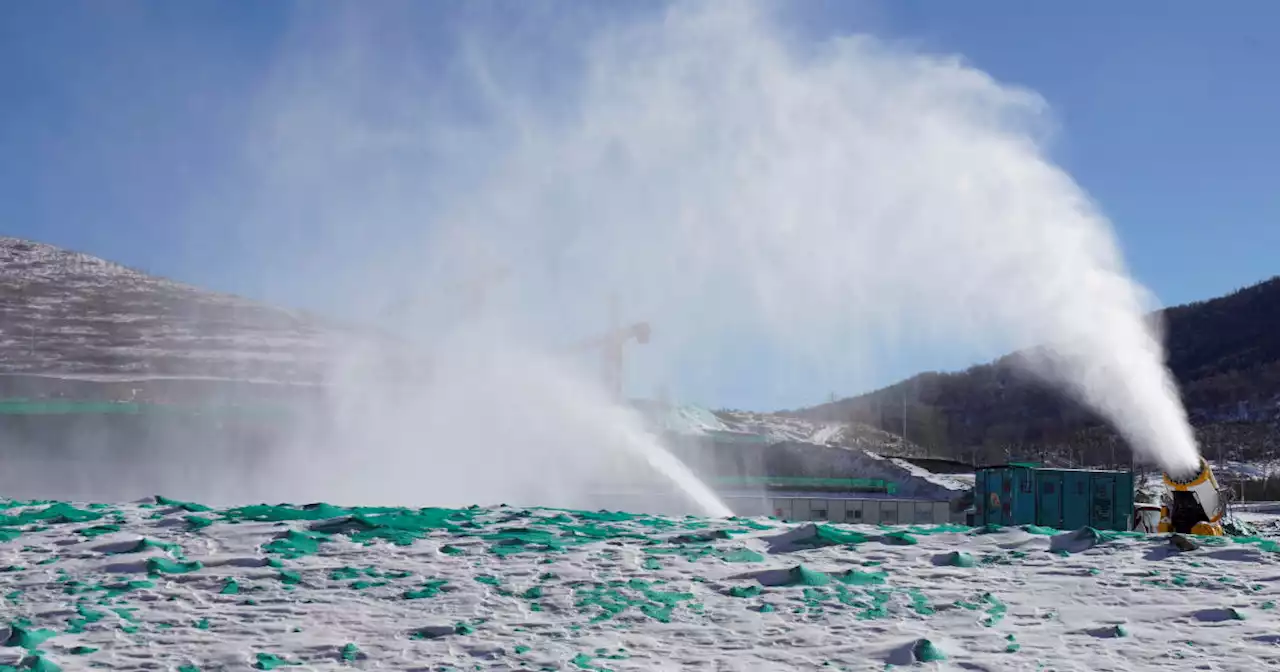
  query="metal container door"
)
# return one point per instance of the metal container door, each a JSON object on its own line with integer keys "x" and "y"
{"x": 1075, "y": 500}
{"x": 1102, "y": 504}
{"x": 1049, "y": 508}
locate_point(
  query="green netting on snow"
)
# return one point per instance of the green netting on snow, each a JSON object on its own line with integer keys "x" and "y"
{"x": 803, "y": 576}
{"x": 295, "y": 543}
{"x": 27, "y": 638}
{"x": 191, "y": 507}
{"x": 98, "y": 530}
{"x": 822, "y": 536}
{"x": 361, "y": 524}
{"x": 898, "y": 538}
{"x": 855, "y": 577}
{"x": 943, "y": 528}
{"x": 167, "y": 566}
{"x": 609, "y": 600}
{"x": 925, "y": 651}
{"x": 466, "y": 540}
{"x": 54, "y": 514}
{"x": 142, "y": 546}
{"x": 428, "y": 589}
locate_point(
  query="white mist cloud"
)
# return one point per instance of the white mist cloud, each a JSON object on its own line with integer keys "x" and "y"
{"x": 797, "y": 206}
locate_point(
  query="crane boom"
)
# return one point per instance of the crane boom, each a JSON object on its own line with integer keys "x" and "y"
{"x": 612, "y": 344}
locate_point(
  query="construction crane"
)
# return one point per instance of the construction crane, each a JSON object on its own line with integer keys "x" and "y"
{"x": 612, "y": 345}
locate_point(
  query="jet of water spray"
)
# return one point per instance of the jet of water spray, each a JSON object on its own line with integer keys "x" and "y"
{"x": 760, "y": 198}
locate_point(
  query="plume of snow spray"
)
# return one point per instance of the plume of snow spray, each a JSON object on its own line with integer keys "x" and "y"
{"x": 492, "y": 421}
{"x": 755, "y": 197}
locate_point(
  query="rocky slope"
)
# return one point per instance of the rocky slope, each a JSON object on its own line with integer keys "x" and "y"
{"x": 66, "y": 316}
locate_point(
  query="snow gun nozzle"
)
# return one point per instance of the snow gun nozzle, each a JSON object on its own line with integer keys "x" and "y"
{"x": 1188, "y": 477}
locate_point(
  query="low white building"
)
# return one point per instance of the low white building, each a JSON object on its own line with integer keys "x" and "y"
{"x": 850, "y": 508}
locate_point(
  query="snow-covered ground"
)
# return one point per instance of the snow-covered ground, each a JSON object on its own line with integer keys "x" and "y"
{"x": 170, "y": 585}
{"x": 953, "y": 482}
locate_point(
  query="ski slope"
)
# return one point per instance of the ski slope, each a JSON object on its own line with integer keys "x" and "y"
{"x": 175, "y": 586}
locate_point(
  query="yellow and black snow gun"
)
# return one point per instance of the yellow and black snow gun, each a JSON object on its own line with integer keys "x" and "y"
{"x": 1193, "y": 505}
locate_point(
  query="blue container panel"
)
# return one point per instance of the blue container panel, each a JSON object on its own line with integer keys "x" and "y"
{"x": 1061, "y": 499}
{"x": 1124, "y": 502}
{"x": 1005, "y": 496}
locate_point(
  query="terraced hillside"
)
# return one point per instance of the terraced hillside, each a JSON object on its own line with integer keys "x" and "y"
{"x": 69, "y": 315}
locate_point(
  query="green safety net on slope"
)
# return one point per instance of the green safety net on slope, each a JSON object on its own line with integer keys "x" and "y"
{"x": 94, "y": 407}
{"x": 59, "y": 407}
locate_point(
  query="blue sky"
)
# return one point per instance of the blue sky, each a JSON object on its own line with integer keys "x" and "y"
{"x": 120, "y": 124}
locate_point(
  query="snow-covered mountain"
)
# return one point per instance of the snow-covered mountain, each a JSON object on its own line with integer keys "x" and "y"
{"x": 69, "y": 315}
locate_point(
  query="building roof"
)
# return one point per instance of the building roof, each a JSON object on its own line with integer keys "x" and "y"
{"x": 1035, "y": 467}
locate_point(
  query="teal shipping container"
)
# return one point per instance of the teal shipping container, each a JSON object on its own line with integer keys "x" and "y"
{"x": 1064, "y": 499}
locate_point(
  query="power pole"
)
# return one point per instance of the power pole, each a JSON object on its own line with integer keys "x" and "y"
{"x": 904, "y": 417}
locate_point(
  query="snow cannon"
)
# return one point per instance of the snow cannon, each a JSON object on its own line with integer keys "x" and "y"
{"x": 1194, "y": 504}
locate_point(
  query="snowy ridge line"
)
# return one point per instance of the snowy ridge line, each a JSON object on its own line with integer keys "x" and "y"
{"x": 32, "y": 253}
